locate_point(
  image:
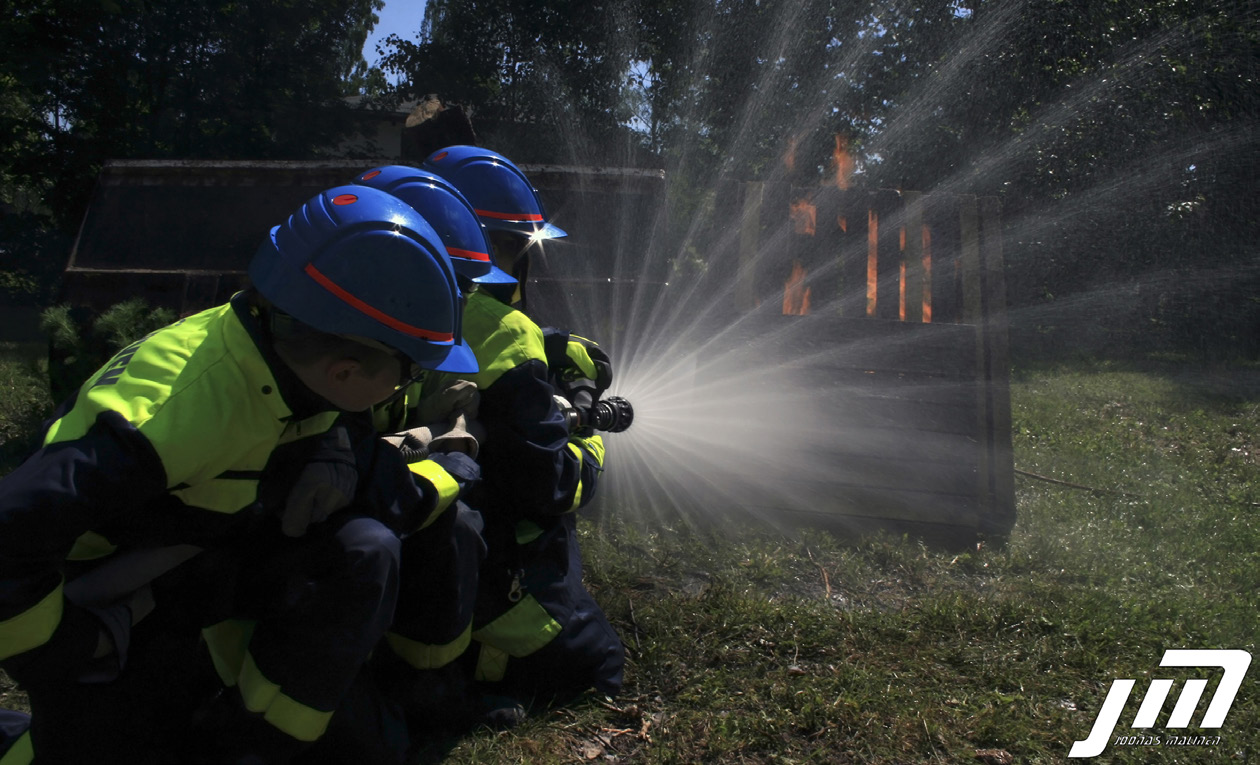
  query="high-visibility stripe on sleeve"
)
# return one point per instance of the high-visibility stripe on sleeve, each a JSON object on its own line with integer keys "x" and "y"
{"x": 577, "y": 353}
{"x": 33, "y": 627}
{"x": 441, "y": 481}
{"x": 21, "y": 753}
{"x": 263, "y": 696}
{"x": 594, "y": 446}
{"x": 429, "y": 655}
{"x": 577, "y": 491}
{"x": 525, "y": 628}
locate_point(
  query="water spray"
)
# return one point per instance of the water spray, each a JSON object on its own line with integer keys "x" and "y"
{"x": 613, "y": 414}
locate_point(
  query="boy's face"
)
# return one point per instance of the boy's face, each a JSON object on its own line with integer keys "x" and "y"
{"x": 355, "y": 387}
{"x": 508, "y": 249}
{"x": 357, "y": 383}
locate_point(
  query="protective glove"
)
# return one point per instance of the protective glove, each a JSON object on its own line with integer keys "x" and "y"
{"x": 455, "y": 438}
{"x": 580, "y": 371}
{"x": 419, "y": 443}
{"x": 460, "y": 396}
{"x": 449, "y": 418}
{"x": 577, "y": 367}
{"x": 327, "y": 483}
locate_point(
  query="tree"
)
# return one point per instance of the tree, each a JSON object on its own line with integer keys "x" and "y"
{"x": 133, "y": 79}
{"x": 1119, "y": 135}
{"x": 84, "y": 82}
{"x": 558, "y": 68}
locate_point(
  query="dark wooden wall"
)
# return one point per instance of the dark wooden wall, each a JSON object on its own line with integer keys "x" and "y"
{"x": 181, "y": 234}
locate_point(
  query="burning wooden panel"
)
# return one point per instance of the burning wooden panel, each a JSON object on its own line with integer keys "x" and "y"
{"x": 926, "y": 415}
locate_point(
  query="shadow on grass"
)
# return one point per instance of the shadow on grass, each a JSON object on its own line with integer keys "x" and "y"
{"x": 1199, "y": 383}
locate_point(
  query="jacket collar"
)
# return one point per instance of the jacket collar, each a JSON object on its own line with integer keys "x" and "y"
{"x": 295, "y": 400}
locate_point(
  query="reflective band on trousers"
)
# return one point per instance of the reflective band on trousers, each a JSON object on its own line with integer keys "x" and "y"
{"x": 33, "y": 627}
{"x": 294, "y": 718}
{"x": 21, "y": 753}
{"x": 228, "y": 642}
{"x": 525, "y": 628}
{"x": 429, "y": 655}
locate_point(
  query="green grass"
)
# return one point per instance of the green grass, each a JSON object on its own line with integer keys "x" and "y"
{"x": 750, "y": 647}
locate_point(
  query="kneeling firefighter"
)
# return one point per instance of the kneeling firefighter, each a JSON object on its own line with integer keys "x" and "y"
{"x": 538, "y": 634}
{"x": 418, "y": 664}
{"x": 165, "y": 499}
{"x": 542, "y": 471}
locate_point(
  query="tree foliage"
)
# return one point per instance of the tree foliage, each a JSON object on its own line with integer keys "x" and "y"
{"x": 556, "y": 69}
{"x": 85, "y": 82}
{"x": 1120, "y": 138}
{"x": 1119, "y": 134}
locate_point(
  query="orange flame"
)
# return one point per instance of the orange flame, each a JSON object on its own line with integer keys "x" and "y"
{"x": 872, "y": 261}
{"x": 789, "y": 159}
{"x": 795, "y": 293}
{"x": 804, "y": 217}
{"x": 927, "y": 275}
{"x": 901, "y": 294}
{"x": 844, "y": 162}
{"x": 901, "y": 287}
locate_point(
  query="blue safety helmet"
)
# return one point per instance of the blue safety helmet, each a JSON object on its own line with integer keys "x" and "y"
{"x": 450, "y": 214}
{"x": 503, "y": 197}
{"x": 359, "y": 262}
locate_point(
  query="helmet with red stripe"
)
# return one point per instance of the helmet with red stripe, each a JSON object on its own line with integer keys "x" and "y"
{"x": 450, "y": 214}
{"x": 360, "y": 262}
{"x": 503, "y": 197}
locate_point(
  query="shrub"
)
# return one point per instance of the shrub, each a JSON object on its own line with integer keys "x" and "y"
{"x": 79, "y": 344}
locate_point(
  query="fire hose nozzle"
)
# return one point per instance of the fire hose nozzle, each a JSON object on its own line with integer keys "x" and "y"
{"x": 613, "y": 414}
